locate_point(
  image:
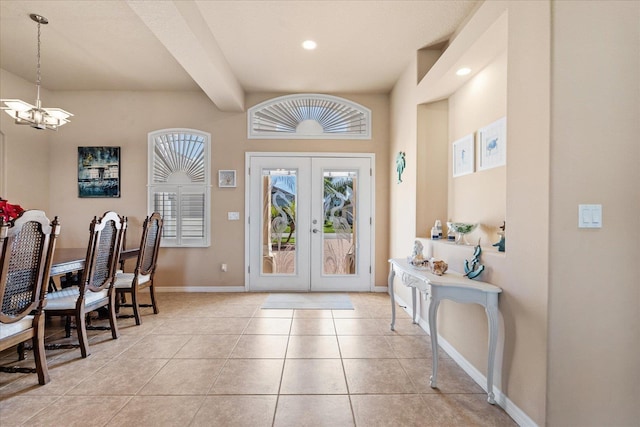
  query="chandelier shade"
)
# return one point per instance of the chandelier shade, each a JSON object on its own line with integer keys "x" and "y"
{"x": 34, "y": 115}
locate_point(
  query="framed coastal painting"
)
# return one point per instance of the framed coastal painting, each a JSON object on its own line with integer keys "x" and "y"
{"x": 98, "y": 172}
{"x": 464, "y": 156}
{"x": 493, "y": 144}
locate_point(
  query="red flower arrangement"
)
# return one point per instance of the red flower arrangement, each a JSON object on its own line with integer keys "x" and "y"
{"x": 9, "y": 211}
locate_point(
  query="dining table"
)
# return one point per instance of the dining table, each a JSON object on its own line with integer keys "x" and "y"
{"x": 67, "y": 261}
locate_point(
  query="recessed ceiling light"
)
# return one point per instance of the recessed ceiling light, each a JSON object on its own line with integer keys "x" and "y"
{"x": 309, "y": 44}
{"x": 463, "y": 71}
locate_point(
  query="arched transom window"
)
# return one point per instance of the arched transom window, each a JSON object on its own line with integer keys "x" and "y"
{"x": 309, "y": 116}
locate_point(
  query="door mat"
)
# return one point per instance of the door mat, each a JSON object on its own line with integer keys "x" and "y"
{"x": 304, "y": 301}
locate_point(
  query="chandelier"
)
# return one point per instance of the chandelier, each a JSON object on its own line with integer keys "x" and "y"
{"x": 34, "y": 115}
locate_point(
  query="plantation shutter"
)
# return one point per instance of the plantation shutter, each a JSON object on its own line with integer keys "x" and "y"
{"x": 179, "y": 185}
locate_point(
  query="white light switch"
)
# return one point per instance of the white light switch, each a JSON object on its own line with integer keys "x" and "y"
{"x": 233, "y": 216}
{"x": 589, "y": 216}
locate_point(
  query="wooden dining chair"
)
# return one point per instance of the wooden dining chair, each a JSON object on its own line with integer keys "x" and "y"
{"x": 96, "y": 284}
{"x": 26, "y": 250}
{"x": 142, "y": 276}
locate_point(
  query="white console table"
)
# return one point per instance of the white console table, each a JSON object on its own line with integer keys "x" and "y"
{"x": 451, "y": 286}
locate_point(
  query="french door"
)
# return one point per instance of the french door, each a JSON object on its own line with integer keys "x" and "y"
{"x": 309, "y": 224}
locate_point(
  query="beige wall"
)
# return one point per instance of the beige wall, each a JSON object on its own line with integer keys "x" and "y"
{"x": 524, "y": 306}
{"x": 402, "y": 215}
{"x": 569, "y": 336}
{"x": 493, "y": 195}
{"x": 432, "y": 166}
{"x": 594, "y": 290}
{"x": 479, "y": 197}
{"x": 124, "y": 119}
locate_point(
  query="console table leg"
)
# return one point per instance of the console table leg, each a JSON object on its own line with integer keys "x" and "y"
{"x": 433, "y": 331}
{"x": 413, "y": 303}
{"x": 492, "y": 316}
{"x": 392, "y": 274}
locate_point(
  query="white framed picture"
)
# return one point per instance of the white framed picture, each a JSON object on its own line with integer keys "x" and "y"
{"x": 226, "y": 178}
{"x": 493, "y": 144}
{"x": 464, "y": 156}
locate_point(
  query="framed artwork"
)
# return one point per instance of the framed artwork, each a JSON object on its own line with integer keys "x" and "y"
{"x": 493, "y": 144}
{"x": 464, "y": 156}
{"x": 98, "y": 172}
{"x": 226, "y": 178}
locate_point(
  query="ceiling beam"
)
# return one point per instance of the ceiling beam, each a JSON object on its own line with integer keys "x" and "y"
{"x": 180, "y": 27}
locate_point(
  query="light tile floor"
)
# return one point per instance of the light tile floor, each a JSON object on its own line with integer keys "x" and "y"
{"x": 220, "y": 360}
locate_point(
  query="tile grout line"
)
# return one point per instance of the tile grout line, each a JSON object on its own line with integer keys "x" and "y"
{"x": 284, "y": 361}
{"x": 226, "y": 362}
{"x": 344, "y": 371}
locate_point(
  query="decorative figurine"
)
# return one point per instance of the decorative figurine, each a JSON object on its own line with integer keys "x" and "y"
{"x": 400, "y": 164}
{"x": 417, "y": 258}
{"x": 501, "y": 243}
{"x": 476, "y": 268}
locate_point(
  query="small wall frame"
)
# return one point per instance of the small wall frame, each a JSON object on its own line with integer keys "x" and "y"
{"x": 227, "y": 178}
{"x": 492, "y": 143}
{"x": 464, "y": 156}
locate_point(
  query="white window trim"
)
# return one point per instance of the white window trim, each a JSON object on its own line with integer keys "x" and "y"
{"x": 205, "y": 186}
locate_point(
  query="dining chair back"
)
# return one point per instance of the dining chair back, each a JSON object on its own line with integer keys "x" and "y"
{"x": 145, "y": 269}
{"x": 96, "y": 283}
{"x": 26, "y": 249}
{"x": 103, "y": 252}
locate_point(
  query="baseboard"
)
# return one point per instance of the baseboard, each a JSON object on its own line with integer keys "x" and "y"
{"x": 224, "y": 289}
{"x": 200, "y": 289}
{"x": 518, "y": 415}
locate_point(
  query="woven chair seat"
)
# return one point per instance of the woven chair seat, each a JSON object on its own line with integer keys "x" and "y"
{"x": 8, "y": 329}
{"x": 124, "y": 280}
{"x": 66, "y": 298}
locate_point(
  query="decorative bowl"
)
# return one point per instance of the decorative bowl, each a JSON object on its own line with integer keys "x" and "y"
{"x": 462, "y": 228}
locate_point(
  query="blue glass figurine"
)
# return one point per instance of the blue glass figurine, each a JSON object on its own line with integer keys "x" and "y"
{"x": 501, "y": 243}
{"x": 472, "y": 271}
{"x": 400, "y": 164}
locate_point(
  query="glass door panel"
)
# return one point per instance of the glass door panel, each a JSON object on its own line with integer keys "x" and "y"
{"x": 278, "y": 210}
{"x": 339, "y": 231}
{"x": 279, "y": 190}
{"x": 341, "y": 249}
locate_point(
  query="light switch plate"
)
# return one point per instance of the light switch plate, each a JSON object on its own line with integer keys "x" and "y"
{"x": 589, "y": 216}
{"x": 233, "y": 216}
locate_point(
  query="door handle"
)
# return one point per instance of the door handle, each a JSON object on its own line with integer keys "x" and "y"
{"x": 315, "y": 230}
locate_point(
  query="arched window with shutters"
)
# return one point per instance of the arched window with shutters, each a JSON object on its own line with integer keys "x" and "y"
{"x": 179, "y": 185}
